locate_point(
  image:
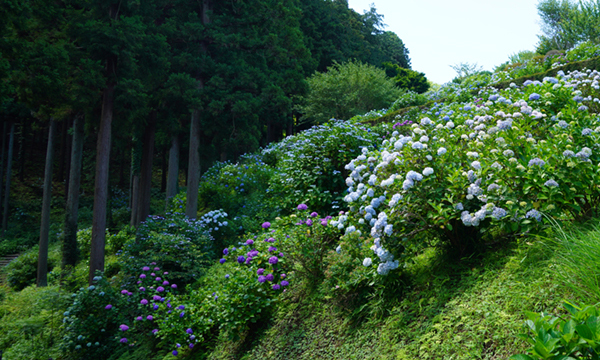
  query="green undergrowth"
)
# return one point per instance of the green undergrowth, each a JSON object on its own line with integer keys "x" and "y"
{"x": 472, "y": 309}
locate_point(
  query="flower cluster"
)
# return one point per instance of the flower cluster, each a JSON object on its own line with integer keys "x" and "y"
{"x": 505, "y": 156}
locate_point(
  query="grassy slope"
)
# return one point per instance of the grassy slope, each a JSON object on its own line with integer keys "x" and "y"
{"x": 469, "y": 310}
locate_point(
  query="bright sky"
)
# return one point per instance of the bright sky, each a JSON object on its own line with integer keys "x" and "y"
{"x": 439, "y": 33}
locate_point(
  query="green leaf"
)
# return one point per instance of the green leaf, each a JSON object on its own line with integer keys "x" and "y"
{"x": 521, "y": 357}
{"x": 584, "y": 331}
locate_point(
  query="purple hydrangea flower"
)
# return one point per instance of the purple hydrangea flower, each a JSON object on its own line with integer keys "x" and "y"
{"x": 285, "y": 283}
{"x": 270, "y": 277}
{"x": 152, "y": 274}
{"x": 144, "y": 302}
{"x": 123, "y": 327}
{"x": 165, "y": 283}
{"x": 156, "y": 298}
{"x": 160, "y": 289}
{"x": 189, "y": 331}
{"x": 309, "y": 222}
{"x": 302, "y": 207}
{"x": 249, "y": 242}
{"x": 226, "y": 276}
{"x": 175, "y": 353}
{"x": 225, "y": 251}
{"x": 154, "y": 331}
{"x": 142, "y": 288}
{"x": 283, "y": 276}
{"x": 181, "y": 307}
{"x": 123, "y": 340}
{"x": 314, "y": 214}
{"x": 139, "y": 318}
{"x": 145, "y": 268}
{"x": 262, "y": 279}
{"x": 276, "y": 287}
{"x": 191, "y": 346}
{"x": 241, "y": 259}
{"x": 156, "y": 269}
{"x": 260, "y": 271}
{"x": 149, "y": 317}
{"x": 155, "y": 307}
{"x": 174, "y": 286}
{"x": 108, "y": 307}
{"x": 534, "y": 96}
{"x": 158, "y": 279}
{"x": 272, "y": 248}
{"x": 266, "y": 225}
{"x": 273, "y": 260}
{"x": 124, "y": 292}
{"x": 182, "y": 313}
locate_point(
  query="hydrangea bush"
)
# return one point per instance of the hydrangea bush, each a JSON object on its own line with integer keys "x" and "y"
{"x": 241, "y": 290}
{"x": 177, "y": 244}
{"x": 471, "y": 171}
{"x": 311, "y": 165}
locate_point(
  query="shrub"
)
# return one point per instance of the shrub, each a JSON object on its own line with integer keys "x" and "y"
{"x": 22, "y": 271}
{"x": 178, "y": 245}
{"x": 240, "y": 291}
{"x": 311, "y": 166}
{"x": 240, "y": 190}
{"x": 472, "y": 172}
{"x": 346, "y": 90}
{"x": 90, "y": 329}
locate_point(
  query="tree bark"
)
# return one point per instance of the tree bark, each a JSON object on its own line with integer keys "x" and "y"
{"x": 2, "y": 161}
{"x": 8, "y": 175}
{"x": 70, "y": 252}
{"x": 42, "y": 271}
{"x": 163, "y": 172}
{"x": 146, "y": 170}
{"x": 101, "y": 184}
{"x": 173, "y": 175}
{"x": 22, "y": 148}
{"x": 193, "y": 179}
{"x": 191, "y": 207}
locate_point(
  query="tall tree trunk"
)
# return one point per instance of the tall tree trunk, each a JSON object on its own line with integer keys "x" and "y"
{"x": 42, "y": 270}
{"x": 101, "y": 184}
{"x": 173, "y": 176}
{"x": 8, "y": 175}
{"x": 193, "y": 178}
{"x": 2, "y": 162}
{"x": 134, "y": 189}
{"x": 22, "y": 149}
{"x": 163, "y": 171}
{"x": 69, "y": 140}
{"x": 70, "y": 252}
{"x": 191, "y": 208}
{"x": 63, "y": 151}
{"x": 146, "y": 170}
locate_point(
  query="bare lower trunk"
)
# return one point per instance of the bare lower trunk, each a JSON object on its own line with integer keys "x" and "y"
{"x": 191, "y": 208}
{"x": 146, "y": 170}
{"x": 173, "y": 174}
{"x": 2, "y": 162}
{"x": 42, "y": 271}
{"x": 101, "y": 184}
{"x": 70, "y": 252}
{"x": 8, "y": 175}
